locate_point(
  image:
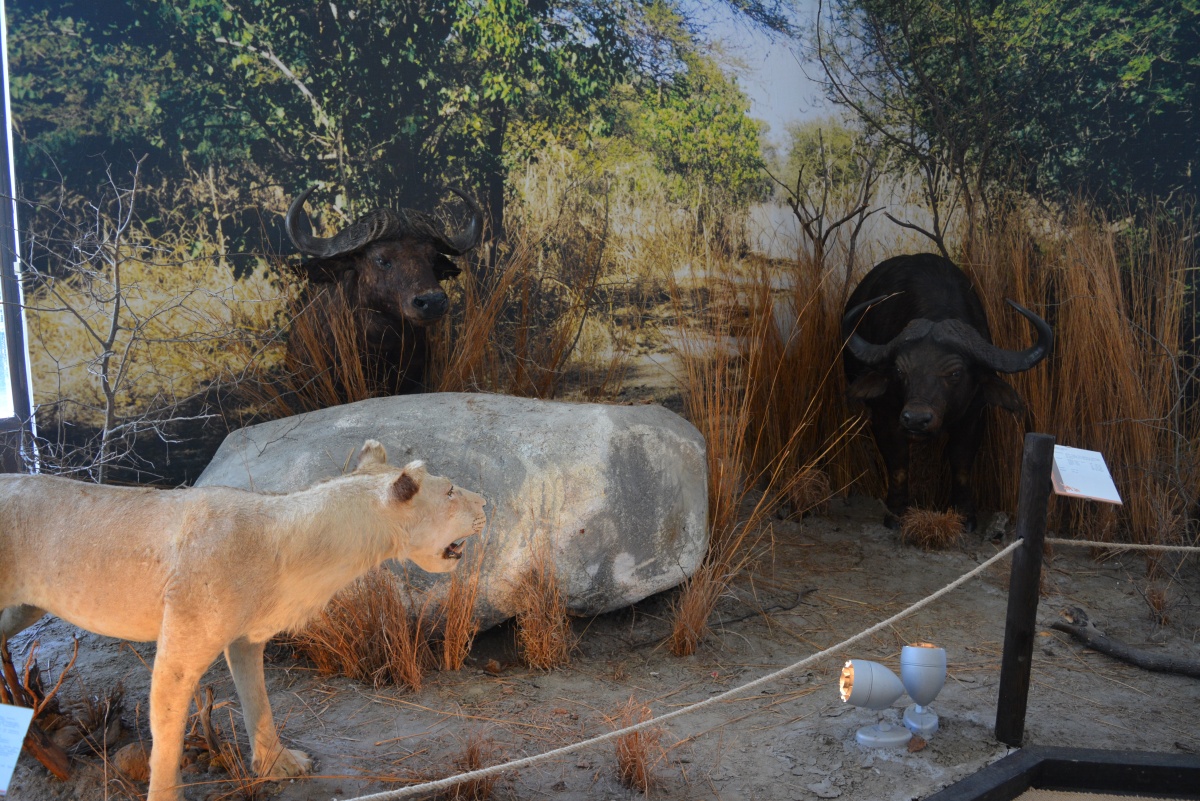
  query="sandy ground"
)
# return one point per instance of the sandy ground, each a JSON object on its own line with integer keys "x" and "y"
{"x": 829, "y": 577}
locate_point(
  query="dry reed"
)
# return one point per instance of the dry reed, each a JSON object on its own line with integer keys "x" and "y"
{"x": 764, "y": 423}
{"x": 366, "y": 633}
{"x": 639, "y": 753}
{"x": 1115, "y": 381}
{"x": 544, "y": 637}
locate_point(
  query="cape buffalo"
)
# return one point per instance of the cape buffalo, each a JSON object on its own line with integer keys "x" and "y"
{"x": 919, "y": 354}
{"x": 374, "y": 288}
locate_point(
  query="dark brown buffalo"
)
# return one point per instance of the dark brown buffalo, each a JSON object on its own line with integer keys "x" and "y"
{"x": 379, "y": 280}
{"x": 919, "y": 354}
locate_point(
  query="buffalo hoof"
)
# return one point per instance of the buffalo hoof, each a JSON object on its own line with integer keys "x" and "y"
{"x": 892, "y": 521}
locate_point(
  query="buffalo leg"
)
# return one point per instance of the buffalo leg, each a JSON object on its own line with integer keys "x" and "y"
{"x": 961, "y": 448}
{"x": 893, "y": 447}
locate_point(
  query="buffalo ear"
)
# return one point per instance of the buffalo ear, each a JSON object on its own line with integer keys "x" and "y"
{"x": 443, "y": 268}
{"x": 997, "y": 392}
{"x": 322, "y": 271}
{"x": 408, "y": 483}
{"x": 867, "y": 386}
{"x": 372, "y": 453}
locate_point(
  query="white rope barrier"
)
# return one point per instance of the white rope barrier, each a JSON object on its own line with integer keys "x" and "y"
{"x": 443, "y": 784}
{"x": 1123, "y": 546}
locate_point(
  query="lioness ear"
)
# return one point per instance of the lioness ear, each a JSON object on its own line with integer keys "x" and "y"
{"x": 409, "y": 482}
{"x": 372, "y": 453}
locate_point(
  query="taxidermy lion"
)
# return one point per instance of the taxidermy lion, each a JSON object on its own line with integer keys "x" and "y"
{"x": 212, "y": 569}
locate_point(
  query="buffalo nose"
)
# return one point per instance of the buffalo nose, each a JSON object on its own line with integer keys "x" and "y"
{"x": 916, "y": 421}
{"x": 431, "y": 304}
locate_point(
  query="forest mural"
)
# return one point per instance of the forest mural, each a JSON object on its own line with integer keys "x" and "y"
{"x": 636, "y": 210}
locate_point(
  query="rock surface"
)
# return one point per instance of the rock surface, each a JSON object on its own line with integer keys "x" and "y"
{"x": 617, "y": 493}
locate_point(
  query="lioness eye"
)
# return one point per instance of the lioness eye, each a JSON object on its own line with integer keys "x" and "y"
{"x": 450, "y": 494}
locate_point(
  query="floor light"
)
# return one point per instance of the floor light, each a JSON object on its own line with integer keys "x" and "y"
{"x": 923, "y": 672}
{"x": 871, "y": 685}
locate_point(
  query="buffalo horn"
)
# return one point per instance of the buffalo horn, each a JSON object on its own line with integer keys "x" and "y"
{"x": 371, "y": 227}
{"x": 1016, "y": 361}
{"x": 376, "y": 225}
{"x": 469, "y": 237}
{"x": 864, "y": 351}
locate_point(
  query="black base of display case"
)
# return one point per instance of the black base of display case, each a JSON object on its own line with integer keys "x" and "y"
{"x": 1174, "y": 776}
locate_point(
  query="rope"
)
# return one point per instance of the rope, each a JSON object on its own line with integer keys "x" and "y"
{"x": 443, "y": 784}
{"x": 1124, "y": 546}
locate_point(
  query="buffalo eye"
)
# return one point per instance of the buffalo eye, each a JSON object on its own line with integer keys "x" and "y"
{"x": 384, "y": 262}
{"x": 954, "y": 376}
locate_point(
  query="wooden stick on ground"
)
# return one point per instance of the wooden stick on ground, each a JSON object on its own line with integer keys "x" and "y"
{"x": 1076, "y": 623}
{"x": 37, "y": 742}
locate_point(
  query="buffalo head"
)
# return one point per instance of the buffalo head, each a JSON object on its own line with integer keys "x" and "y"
{"x": 394, "y": 261}
{"x": 938, "y": 367}
{"x": 919, "y": 354}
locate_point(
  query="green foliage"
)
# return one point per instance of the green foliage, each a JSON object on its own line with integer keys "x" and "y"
{"x": 825, "y": 150}
{"x": 77, "y": 95}
{"x": 1097, "y": 97}
{"x": 699, "y": 130}
{"x": 383, "y": 100}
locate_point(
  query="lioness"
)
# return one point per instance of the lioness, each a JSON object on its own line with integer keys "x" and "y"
{"x": 206, "y": 570}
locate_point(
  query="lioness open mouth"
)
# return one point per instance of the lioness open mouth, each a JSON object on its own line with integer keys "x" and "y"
{"x": 454, "y": 550}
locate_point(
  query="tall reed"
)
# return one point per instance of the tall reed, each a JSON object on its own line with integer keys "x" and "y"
{"x": 1115, "y": 382}
{"x": 762, "y": 424}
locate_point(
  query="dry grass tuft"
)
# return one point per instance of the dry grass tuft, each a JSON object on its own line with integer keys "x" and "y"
{"x": 931, "y": 529}
{"x": 809, "y": 492}
{"x": 691, "y": 609}
{"x": 544, "y": 637}
{"x": 317, "y": 371}
{"x": 478, "y": 753}
{"x": 459, "y": 625}
{"x": 640, "y": 752}
{"x": 365, "y": 633}
{"x": 1158, "y": 601}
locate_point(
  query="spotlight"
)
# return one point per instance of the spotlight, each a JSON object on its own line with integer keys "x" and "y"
{"x": 871, "y": 685}
{"x": 923, "y": 671}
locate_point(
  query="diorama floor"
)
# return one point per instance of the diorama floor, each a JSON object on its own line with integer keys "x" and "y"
{"x": 827, "y": 578}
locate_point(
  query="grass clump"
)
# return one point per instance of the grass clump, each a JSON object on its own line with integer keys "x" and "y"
{"x": 639, "y": 753}
{"x": 931, "y": 529}
{"x": 365, "y": 633}
{"x": 544, "y": 637}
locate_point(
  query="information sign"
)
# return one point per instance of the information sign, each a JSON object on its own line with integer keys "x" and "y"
{"x": 1082, "y": 474}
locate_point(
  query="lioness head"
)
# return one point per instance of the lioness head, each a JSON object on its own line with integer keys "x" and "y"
{"x": 435, "y": 514}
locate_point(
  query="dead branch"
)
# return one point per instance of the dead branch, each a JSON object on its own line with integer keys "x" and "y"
{"x": 28, "y": 694}
{"x": 1076, "y": 623}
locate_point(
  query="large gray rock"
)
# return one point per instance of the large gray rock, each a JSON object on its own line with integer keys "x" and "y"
{"x": 619, "y": 491}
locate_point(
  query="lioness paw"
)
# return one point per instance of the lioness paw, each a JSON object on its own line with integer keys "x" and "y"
{"x": 289, "y": 762}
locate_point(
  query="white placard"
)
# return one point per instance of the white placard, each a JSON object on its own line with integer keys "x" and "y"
{"x": 1082, "y": 474}
{"x": 14, "y": 722}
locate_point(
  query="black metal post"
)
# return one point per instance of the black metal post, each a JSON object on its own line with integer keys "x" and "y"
{"x": 1023, "y": 588}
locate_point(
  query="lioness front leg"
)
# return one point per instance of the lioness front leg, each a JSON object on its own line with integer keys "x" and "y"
{"x": 269, "y": 757}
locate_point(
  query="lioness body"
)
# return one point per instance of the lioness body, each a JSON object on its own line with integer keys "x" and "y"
{"x": 214, "y": 569}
